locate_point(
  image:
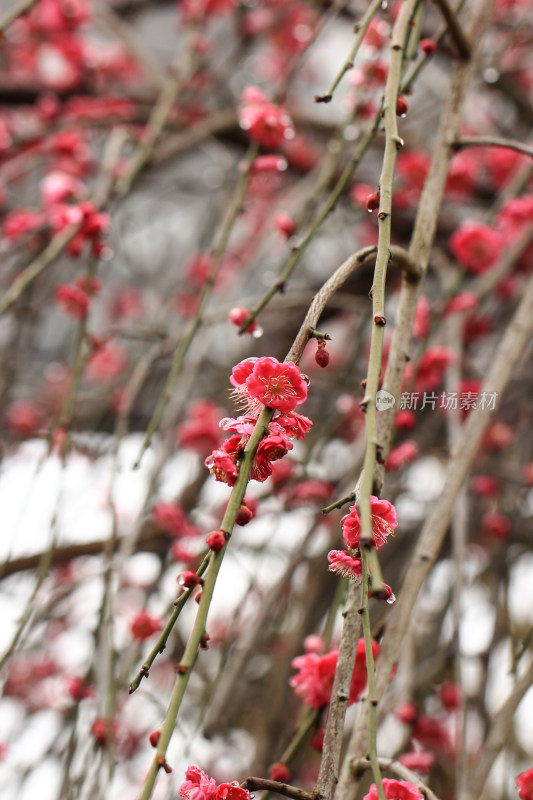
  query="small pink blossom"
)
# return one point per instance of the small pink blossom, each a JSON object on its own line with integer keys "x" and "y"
{"x": 223, "y": 466}
{"x": 524, "y": 783}
{"x": 268, "y": 163}
{"x": 420, "y": 762}
{"x": 476, "y": 247}
{"x": 384, "y": 521}
{"x": 432, "y": 734}
{"x": 285, "y": 224}
{"x": 58, "y": 186}
{"x": 314, "y": 681}
{"x": 466, "y": 301}
{"x": 405, "y": 453}
{"x": 422, "y": 321}
{"x": 24, "y": 418}
{"x": 171, "y": 518}
{"x": 294, "y": 424}
{"x": 200, "y": 430}
{"x": 238, "y": 315}
{"x": 496, "y": 524}
{"x": 395, "y": 790}
{"x": 106, "y": 363}
{"x": 73, "y": 301}
{"x": 197, "y": 785}
{"x": 432, "y": 366}
{"x": 144, "y": 625}
{"x": 344, "y": 564}
{"x": 21, "y": 221}
{"x": 266, "y": 122}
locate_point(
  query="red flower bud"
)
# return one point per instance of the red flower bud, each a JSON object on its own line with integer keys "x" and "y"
{"x": 401, "y": 106}
{"x": 317, "y": 740}
{"x": 244, "y": 515}
{"x": 216, "y": 541}
{"x": 154, "y": 736}
{"x": 372, "y": 201}
{"x": 280, "y": 772}
{"x": 322, "y": 357}
{"x": 428, "y": 46}
{"x": 188, "y": 579}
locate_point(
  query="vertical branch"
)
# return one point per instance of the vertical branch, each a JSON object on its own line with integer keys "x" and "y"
{"x": 370, "y": 668}
{"x": 392, "y": 144}
{"x": 331, "y": 751}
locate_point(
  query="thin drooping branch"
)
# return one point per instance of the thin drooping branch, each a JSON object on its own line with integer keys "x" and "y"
{"x": 180, "y": 72}
{"x": 454, "y": 29}
{"x": 492, "y": 141}
{"x": 359, "y": 30}
{"x": 321, "y": 216}
{"x": 335, "y": 282}
{"x": 419, "y": 252}
{"x": 266, "y": 785}
{"x": 424, "y": 233}
{"x": 507, "y": 356}
{"x": 371, "y": 576}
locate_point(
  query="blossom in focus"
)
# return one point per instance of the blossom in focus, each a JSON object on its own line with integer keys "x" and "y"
{"x": 524, "y": 783}
{"x": 277, "y": 385}
{"x": 344, "y": 564}
{"x": 259, "y": 381}
{"x": 384, "y": 521}
{"x": 395, "y": 790}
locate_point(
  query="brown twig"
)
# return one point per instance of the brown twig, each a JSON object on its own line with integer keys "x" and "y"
{"x": 266, "y": 785}
{"x": 492, "y": 141}
{"x": 454, "y": 28}
{"x": 333, "y": 737}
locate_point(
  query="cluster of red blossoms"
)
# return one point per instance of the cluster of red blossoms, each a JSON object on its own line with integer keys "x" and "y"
{"x": 384, "y": 521}
{"x": 258, "y": 382}
{"x": 199, "y": 786}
